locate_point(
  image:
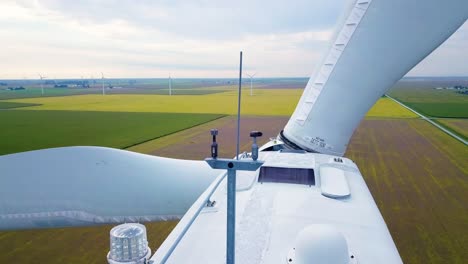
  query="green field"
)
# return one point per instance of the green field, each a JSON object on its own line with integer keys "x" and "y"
{"x": 433, "y": 102}
{"x": 30, "y": 130}
{"x": 452, "y": 109}
{"x": 36, "y": 92}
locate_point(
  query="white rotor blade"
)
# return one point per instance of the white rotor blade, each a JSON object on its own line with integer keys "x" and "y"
{"x": 76, "y": 186}
{"x": 378, "y": 43}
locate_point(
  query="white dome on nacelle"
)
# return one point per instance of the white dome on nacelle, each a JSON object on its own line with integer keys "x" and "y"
{"x": 320, "y": 244}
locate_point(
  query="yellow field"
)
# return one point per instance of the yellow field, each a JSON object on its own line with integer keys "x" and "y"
{"x": 279, "y": 102}
{"x": 264, "y": 102}
{"x": 388, "y": 108}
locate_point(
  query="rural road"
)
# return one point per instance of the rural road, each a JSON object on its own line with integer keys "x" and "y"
{"x": 430, "y": 121}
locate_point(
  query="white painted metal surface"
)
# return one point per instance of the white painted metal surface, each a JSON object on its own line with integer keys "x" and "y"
{"x": 333, "y": 182}
{"x": 93, "y": 185}
{"x": 378, "y": 43}
{"x": 271, "y": 215}
{"x": 319, "y": 243}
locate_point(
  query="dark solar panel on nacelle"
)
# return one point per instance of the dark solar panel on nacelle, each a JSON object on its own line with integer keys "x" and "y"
{"x": 287, "y": 175}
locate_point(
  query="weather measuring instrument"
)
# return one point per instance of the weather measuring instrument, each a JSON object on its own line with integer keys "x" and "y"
{"x": 233, "y": 165}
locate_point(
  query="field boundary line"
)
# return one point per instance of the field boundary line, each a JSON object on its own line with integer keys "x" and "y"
{"x": 450, "y": 133}
{"x": 147, "y": 140}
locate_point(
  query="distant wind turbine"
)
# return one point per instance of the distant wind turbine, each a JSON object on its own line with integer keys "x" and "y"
{"x": 102, "y": 77}
{"x": 170, "y": 85}
{"x": 251, "y": 77}
{"x": 42, "y": 85}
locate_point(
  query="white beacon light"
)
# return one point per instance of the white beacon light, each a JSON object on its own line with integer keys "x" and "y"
{"x": 128, "y": 244}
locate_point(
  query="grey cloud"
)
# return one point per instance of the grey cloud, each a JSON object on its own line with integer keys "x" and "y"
{"x": 205, "y": 19}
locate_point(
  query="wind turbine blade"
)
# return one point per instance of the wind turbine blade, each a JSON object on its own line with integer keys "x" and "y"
{"x": 76, "y": 186}
{"x": 371, "y": 51}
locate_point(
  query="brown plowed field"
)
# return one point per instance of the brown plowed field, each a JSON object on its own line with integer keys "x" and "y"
{"x": 419, "y": 178}
{"x": 195, "y": 143}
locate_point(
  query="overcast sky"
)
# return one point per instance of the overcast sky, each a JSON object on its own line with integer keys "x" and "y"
{"x": 192, "y": 38}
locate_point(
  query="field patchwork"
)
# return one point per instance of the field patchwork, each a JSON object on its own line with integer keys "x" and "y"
{"x": 416, "y": 173}
{"x": 459, "y": 126}
{"x": 278, "y": 102}
{"x": 31, "y": 130}
{"x": 195, "y": 143}
{"x": 433, "y": 102}
{"x": 264, "y": 102}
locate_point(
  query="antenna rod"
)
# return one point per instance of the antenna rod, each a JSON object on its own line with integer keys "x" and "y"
{"x": 239, "y": 105}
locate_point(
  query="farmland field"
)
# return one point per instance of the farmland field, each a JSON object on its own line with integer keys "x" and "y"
{"x": 385, "y": 107}
{"x": 264, "y": 102}
{"x": 195, "y": 142}
{"x": 175, "y": 92}
{"x": 459, "y": 126}
{"x": 36, "y": 92}
{"x": 453, "y": 110}
{"x": 10, "y": 105}
{"x": 87, "y": 245}
{"x": 53, "y": 92}
{"x": 426, "y": 99}
{"x": 30, "y": 130}
{"x": 416, "y": 173}
{"x": 277, "y": 102}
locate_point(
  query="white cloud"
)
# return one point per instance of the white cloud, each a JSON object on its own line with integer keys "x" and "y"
{"x": 186, "y": 38}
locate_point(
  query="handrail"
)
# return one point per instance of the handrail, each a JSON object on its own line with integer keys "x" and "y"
{"x": 171, "y": 242}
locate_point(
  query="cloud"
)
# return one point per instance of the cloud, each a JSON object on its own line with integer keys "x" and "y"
{"x": 146, "y": 38}
{"x": 203, "y": 19}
